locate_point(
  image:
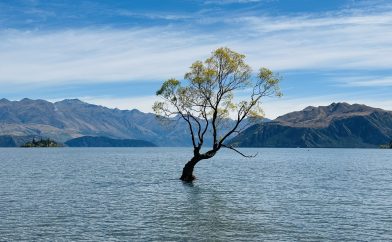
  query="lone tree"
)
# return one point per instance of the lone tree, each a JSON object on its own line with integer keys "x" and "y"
{"x": 206, "y": 99}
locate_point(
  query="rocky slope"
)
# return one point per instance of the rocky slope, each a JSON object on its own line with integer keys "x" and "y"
{"x": 14, "y": 141}
{"x": 68, "y": 119}
{"x": 336, "y": 125}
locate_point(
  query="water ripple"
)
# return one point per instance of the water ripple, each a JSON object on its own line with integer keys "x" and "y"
{"x": 134, "y": 195}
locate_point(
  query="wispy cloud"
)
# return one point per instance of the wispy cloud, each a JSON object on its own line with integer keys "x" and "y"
{"x": 143, "y": 104}
{"x": 332, "y": 42}
{"x": 106, "y": 54}
{"x": 222, "y": 2}
{"x": 151, "y": 15}
{"x": 272, "y": 107}
{"x": 98, "y": 55}
{"x": 367, "y": 81}
{"x": 277, "y": 107}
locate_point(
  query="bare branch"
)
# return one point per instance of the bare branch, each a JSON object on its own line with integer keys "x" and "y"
{"x": 198, "y": 126}
{"x": 232, "y": 148}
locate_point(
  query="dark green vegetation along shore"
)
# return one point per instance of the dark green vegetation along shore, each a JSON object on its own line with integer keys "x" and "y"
{"x": 89, "y": 141}
{"x": 14, "y": 140}
{"x": 42, "y": 143}
{"x": 85, "y": 141}
{"x": 387, "y": 146}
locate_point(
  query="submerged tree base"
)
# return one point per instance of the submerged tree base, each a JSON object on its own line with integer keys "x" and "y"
{"x": 187, "y": 178}
{"x": 187, "y": 171}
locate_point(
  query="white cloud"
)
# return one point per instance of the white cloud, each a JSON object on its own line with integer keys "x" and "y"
{"x": 277, "y": 107}
{"x": 273, "y": 107}
{"x": 337, "y": 42}
{"x": 156, "y": 53}
{"x": 222, "y": 2}
{"x": 103, "y": 55}
{"x": 157, "y": 15}
{"x": 143, "y": 103}
{"x": 367, "y": 81}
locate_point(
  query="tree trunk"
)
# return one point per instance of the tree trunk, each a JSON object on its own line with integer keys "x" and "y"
{"x": 187, "y": 171}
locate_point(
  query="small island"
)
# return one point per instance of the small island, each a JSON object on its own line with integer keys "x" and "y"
{"x": 41, "y": 143}
{"x": 387, "y": 146}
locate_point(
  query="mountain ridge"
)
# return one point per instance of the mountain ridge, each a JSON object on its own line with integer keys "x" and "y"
{"x": 322, "y": 116}
{"x": 73, "y": 118}
{"x": 335, "y": 125}
{"x": 339, "y": 125}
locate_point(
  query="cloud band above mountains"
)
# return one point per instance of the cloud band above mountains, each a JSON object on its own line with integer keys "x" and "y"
{"x": 354, "y": 41}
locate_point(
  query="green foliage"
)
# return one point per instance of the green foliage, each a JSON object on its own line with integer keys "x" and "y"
{"x": 41, "y": 143}
{"x": 386, "y": 146}
{"x": 168, "y": 87}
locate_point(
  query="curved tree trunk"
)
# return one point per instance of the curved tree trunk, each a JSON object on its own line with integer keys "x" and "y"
{"x": 187, "y": 171}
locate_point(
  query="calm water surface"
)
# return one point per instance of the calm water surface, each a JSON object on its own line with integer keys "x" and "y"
{"x": 134, "y": 194}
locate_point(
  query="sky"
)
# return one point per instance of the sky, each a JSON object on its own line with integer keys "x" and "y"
{"x": 117, "y": 53}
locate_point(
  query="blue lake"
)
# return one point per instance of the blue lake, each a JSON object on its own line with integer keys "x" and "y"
{"x": 134, "y": 194}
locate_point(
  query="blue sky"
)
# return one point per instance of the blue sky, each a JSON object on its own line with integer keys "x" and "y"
{"x": 116, "y": 53}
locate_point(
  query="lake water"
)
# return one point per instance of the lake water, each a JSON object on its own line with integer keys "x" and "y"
{"x": 134, "y": 194}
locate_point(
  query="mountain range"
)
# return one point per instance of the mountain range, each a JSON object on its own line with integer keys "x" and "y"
{"x": 337, "y": 125}
{"x": 72, "y": 118}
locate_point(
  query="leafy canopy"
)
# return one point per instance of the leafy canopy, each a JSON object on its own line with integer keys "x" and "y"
{"x": 206, "y": 96}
